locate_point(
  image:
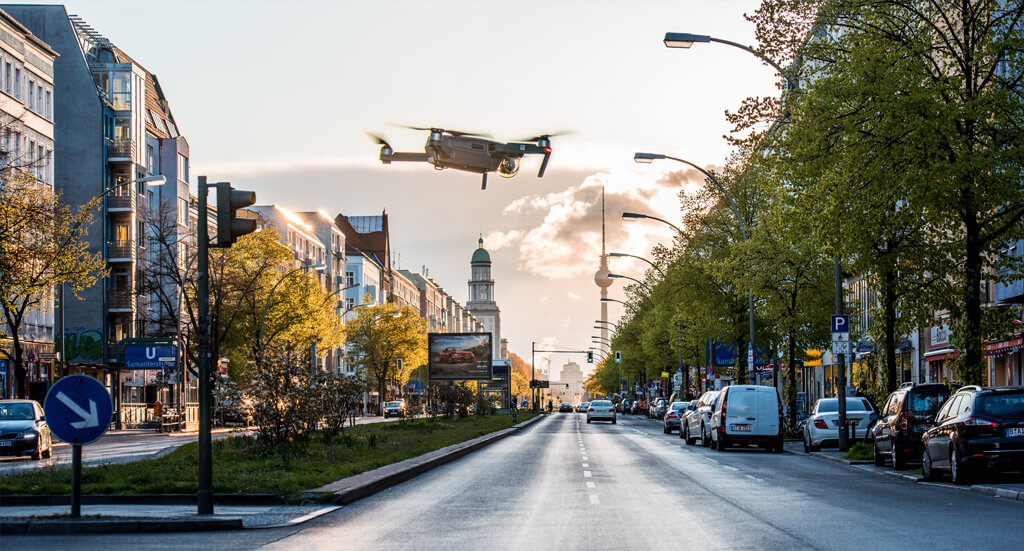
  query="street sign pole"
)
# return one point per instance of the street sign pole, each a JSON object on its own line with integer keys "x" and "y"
{"x": 76, "y": 480}
{"x": 840, "y": 362}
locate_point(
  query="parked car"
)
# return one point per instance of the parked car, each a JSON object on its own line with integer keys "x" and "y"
{"x": 623, "y": 406}
{"x": 394, "y": 409}
{"x": 601, "y": 410}
{"x": 747, "y": 414}
{"x": 699, "y": 419}
{"x": 822, "y": 427}
{"x": 636, "y": 408}
{"x": 977, "y": 430}
{"x": 684, "y": 416}
{"x": 673, "y": 414}
{"x": 907, "y": 414}
{"x": 565, "y": 407}
{"x": 659, "y": 408}
{"x": 582, "y": 408}
{"x": 454, "y": 355}
{"x": 23, "y": 429}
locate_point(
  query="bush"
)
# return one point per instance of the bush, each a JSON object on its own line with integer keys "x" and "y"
{"x": 861, "y": 451}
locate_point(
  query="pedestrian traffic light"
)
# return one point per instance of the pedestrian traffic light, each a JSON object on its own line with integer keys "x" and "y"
{"x": 618, "y": 356}
{"x": 230, "y": 225}
{"x": 590, "y": 357}
{"x": 398, "y": 364}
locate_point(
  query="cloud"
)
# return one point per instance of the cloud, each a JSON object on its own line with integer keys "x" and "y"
{"x": 566, "y": 242}
{"x": 499, "y": 240}
{"x": 575, "y": 297}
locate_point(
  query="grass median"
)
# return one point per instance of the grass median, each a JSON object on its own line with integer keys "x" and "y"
{"x": 243, "y": 466}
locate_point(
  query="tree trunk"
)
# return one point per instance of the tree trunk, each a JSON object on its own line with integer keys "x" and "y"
{"x": 971, "y": 368}
{"x": 889, "y": 315}
{"x": 791, "y": 396}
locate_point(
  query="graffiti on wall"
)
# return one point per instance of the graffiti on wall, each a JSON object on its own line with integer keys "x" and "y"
{"x": 82, "y": 345}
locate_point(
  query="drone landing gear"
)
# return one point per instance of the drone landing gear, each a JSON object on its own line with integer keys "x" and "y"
{"x": 483, "y": 182}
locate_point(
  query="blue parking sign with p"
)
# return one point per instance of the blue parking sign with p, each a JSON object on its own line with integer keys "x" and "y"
{"x": 840, "y": 323}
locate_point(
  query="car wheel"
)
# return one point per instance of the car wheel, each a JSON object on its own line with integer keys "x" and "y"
{"x": 807, "y": 445}
{"x": 720, "y": 444}
{"x": 899, "y": 461}
{"x": 926, "y": 467}
{"x": 614, "y": 421}
{"x": 877, "y": 456}
{"x": 665, "y": 430}
{"x": 38, "y": 454}
{"x": 588, "y": 420}
{"x": 705, "y": 440}
{"x": 957, "y": 470}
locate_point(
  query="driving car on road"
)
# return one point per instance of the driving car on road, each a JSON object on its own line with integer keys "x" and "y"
{"x": 908, "y": 413}
{"x": 822, "y": 427}
{"x": 978, "y": 430}
{"x": 747, "y": 414}
{"x": 394, "y": 409}
{"x": 699, "y": 419}
{"x": 23, "y": 429}
{"x": 565, "y": 407}
{"x": 601, "y": 410}
{"x": 582, "y": 408}
{"x": 673, "y": 415}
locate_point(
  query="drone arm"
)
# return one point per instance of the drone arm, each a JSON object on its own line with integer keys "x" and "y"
{"x": 408, "y": 157}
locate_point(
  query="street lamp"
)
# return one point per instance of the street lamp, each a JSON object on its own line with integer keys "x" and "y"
{"x": 653, "y": 265}
{"x": 637, "y": 215}
{"x": 620, "y": 276}
{"x": 608, "y": 322}
{"x": 685, "y": 40}
{"x": 650, "y": 157}
{"x": 614, "y": 300}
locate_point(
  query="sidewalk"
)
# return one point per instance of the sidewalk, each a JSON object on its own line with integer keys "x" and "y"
{"x": 1007, "y": 486}
{"x": 128, "y": 518}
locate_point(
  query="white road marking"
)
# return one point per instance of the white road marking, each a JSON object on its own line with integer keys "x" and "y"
{"x": 594, "y": 500}
{"x": 754, "y": 478}
{"x": 587, "y": 474}
{"x": 730, "y": 468}
{"x": 586, "y": 465}
{"x": 591, "y": 485}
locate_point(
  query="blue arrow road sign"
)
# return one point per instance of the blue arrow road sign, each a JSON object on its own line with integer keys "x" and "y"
{"x": 840, "y": 323}
{"x": 78, "y": 409}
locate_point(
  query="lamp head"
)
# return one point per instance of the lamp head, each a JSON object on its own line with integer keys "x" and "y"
{"x": 157, "y": 180}
{"x": 684, "y": 40}
{"x": 647, "y": 157}
{"x": 627, "y": 215}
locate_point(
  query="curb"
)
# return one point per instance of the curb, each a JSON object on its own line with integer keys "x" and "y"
{"x": 139, "y": 499}
{"x": 120, "y": 525}
{"x": 353, "y": 488}
{"x": 998, "y": 492}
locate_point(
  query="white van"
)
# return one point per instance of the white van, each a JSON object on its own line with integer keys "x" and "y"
{"x": 747, "y": 414}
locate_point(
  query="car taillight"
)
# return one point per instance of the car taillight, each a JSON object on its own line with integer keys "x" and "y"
{"x": 611, "y": 410}
{"x": 725, "y": 400}
{"x": 589, "y": 410}
{"x": 978, "y": 422}
{"x": 820, "y": 424}
{"x": 672, "y": 415}
{"x": 903, "y": 421}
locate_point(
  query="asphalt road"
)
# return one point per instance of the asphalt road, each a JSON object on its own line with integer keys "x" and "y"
{"x": 564, "y": 484}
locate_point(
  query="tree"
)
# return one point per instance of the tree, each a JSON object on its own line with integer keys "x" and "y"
{"x": 42, "y": 246}
{"x": 926, "y": 99}
{"x": 379, "y": 335}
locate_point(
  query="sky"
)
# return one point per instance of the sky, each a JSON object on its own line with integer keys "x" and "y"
{"x": 277, "y": 97}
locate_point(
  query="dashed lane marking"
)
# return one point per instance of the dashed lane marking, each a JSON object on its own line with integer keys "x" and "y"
{"x": 594, "y": 500}
{"x": 586, "y": 465}
{"x": 730, "y": 468}
{"x": 591, "y": 485}
{"x": 587, "y": 474}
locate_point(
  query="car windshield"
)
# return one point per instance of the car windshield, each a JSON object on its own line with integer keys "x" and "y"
{"x": 1002, "y": 406}
{"x": 676, "y": 406}
{"x": 394, "y": 404}
{"x": 16, "y": 412}
{"x": 926, "y": 401}
{"x": 831, "y": 405}
{"x": 601, "y": 404}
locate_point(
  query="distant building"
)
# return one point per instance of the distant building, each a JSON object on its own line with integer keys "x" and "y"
{"x": 481, "y": 301}
{"x": 569, "y": 386}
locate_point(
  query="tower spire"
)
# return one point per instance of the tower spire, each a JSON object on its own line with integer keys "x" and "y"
{"x": 602, "y": 221}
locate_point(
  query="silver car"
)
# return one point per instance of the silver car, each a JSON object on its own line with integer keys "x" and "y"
{"x": 822, "y": 427}
{"x": 601, "y": 410}
{"x": 699, "y": 420}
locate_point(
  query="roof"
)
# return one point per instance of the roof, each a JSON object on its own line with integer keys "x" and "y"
{"x": 481, "y": 254}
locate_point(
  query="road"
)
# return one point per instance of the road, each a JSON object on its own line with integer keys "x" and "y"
{"x": 564, "y": 484}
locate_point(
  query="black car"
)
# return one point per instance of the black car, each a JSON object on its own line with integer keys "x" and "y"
{"x": 977, "y": 430}
{"x": 908, "y": 413}
{"x": 23, "y": 429}
{"x": 565, "y": 407}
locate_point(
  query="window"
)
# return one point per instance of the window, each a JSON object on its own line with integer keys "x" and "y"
{"x": 31, "y": 89}
{"x": 350, "y": 279}
{"x": 17, "y": 82}
{"x": 151, "y": 160}
{"x": 39, "y": 99}
{"x": 49, "y": 103}
{"x": 7, "y": 77}
{"x": 182, "y": 167}
{"x": 183, "y": 212}
{"x": 350, "y": 303}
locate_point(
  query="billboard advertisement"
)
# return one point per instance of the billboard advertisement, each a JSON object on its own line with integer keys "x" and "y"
{"x": 459, "y": 356}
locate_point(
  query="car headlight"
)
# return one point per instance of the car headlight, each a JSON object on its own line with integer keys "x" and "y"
{"x": 29, "y": 434}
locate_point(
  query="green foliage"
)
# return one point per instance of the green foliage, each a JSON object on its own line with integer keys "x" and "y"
{"x": 860, "y": 451}
{"x": 377, "y": 336}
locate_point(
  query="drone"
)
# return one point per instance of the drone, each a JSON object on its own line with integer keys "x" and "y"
{"x": 470, "y": 152}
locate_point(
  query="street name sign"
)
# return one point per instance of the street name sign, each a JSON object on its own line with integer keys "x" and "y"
{"x": 78, "y": 409}
{"x": 157, "y": 356}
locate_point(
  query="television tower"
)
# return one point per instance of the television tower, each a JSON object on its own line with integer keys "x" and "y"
{"x": 603, "y": 281}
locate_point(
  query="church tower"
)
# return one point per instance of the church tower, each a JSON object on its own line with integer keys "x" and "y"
{"x": 481, "y": 297}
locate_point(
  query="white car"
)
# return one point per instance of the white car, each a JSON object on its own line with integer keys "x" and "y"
{"x": 601, "y": 410}
{"x": 747, "y": 414}
{"x": 822, "y": 427}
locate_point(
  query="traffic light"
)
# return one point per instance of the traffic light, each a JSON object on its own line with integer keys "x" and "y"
{"x": 590, "y": 357}
{"x": 230, "y": 225}
{"x": 567, "y": 386}
{"x": 618, "y": 356}
{"x": 398, "y": 364}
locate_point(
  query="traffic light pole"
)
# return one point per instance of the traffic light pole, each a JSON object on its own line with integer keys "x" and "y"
{"x": 204, "y": 499}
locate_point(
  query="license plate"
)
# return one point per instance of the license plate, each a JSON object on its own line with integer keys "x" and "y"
{"x": 6, "y": 443}
{"x": 739, "y": 428}
{"x": 1015, "y": 432}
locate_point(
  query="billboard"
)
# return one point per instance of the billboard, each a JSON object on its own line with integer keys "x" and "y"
{"x": 459, "y": 356}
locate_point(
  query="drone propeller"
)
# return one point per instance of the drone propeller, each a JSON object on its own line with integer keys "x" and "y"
{"x": 378, "y": 139}
{"x": 540, "y": 137}
{"x": 455, "y": 133}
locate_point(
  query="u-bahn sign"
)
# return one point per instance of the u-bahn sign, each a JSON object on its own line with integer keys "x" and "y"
{"x": 155, "y": 356}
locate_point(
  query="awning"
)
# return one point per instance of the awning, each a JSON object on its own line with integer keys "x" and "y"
{"x": 1004, "y": 347}
{"x": 940, "y": 354}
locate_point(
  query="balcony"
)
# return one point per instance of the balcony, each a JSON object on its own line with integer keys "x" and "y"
{"x": 121, "y": 150}
{"x": 120, "y": 251}
{"x": 120, "y": 301}
{"x": 124, "y": 201}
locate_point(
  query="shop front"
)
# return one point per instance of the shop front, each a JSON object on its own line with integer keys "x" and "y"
{"x": 1004, "y": 362}
{"x": 39, "y": 361}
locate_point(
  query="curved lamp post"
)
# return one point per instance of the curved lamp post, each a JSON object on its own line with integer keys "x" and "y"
{"x": 637, "y": 215}
{"x": 620, "y": 276}
{"x": 613, "y": 324}
{"x": 651, "y": 157}
{"x": 653, "y": 265}
{"x": 614, "y": 300}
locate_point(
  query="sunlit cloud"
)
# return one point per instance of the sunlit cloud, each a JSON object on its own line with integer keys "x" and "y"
{"x": 575, "y": 297}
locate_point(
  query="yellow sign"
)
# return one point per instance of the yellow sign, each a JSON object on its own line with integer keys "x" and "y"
{"x": 664, "y": 374}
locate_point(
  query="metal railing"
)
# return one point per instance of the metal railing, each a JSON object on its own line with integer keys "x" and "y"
{"x": 121, "y": 148}
{"x": 120, "y": 299}
{"x": 121, "y": 249}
